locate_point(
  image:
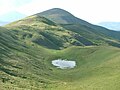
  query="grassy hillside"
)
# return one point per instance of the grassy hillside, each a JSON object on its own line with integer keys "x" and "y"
{"x": 39, "y": 30}
{"x": 27, "y": 66}
{"x": 97, "y": 68}
{"x": 31, "y": 68}
{"x": 96, "y": 34}
{"x": 100, "y": 35}
{"x": 21, "y": 64}
{"x": 28, "y": 46}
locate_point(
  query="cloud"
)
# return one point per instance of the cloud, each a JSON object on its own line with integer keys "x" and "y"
{"x": 19, "y": 3}
{"x": 11, "y": 5}
{"x": 6, "y": 6}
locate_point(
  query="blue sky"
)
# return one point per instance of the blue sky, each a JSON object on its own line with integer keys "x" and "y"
{"x": 93, "y": 11}
{"x": 15, "y": 3}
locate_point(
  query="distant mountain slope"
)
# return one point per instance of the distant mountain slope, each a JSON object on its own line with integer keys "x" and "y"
{"x": 61, "y": 16}
{"x": 39, "y": 30}
{"x": 70, "y": 22}
{"x": 50, "y": 34}
{"x": 111, "y": 25}
{"x": 47, "y": 33}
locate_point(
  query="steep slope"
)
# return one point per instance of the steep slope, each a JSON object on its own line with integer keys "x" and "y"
{"x": 41, "y": 31}
{"x": 63, "y": 17}
{"x": 21, "y": 64}
{"x": 102, "y": 37}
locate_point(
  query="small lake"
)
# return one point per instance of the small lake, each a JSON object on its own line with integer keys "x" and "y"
{"x": 64, "y": 64}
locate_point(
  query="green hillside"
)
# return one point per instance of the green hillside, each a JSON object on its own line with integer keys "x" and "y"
{"x": 31, "y": 68}
{"x": 28, "y": 46}
{"x": 63, "y": 17}
{"x": 39, "y": 30}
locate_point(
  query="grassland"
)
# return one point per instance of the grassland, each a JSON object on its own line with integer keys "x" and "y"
{"x": 28, "y": 46}
{"x": 97, "y": 69}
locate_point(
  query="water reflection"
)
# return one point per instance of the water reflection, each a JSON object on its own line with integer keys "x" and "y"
{"x": 64, "y": 64}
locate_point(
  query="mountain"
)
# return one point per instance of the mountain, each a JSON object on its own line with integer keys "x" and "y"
{"x": 28, "y": 46}
{"x": 70, "y": 22}
{"x": 11, "y": 16}
{"x": 61, "y": 16}
{"x": 111, "y": 25}
{"x": 48, "y": 34}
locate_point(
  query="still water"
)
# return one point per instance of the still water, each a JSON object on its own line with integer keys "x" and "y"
{"x": 64, "y": 64}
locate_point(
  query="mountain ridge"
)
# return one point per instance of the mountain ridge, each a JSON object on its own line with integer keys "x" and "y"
{"x": 62, "y": 14}
{"x": 84, "y": 34}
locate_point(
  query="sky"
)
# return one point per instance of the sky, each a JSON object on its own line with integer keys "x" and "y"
{"x": 93, "y": 11}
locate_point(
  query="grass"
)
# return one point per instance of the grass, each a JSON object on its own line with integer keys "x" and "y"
{"x": 41, "y": 31}
{"x": 97, "y": 69}
{"x": 27, "y": 49}
{"x": 94, "y": 71}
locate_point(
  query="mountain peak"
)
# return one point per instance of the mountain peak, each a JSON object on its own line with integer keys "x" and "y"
{"x": 61, "y": 16}
{"x": 55, "y": 11}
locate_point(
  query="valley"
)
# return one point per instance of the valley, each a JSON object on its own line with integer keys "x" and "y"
{"x": 28, "y": 46}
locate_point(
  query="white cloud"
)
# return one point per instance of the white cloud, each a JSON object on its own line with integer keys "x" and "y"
{"x": 6, "y": 6}
{"x": 11, "y": 5}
